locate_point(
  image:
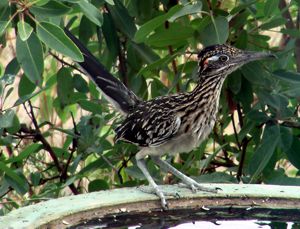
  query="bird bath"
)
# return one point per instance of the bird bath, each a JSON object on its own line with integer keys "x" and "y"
{"x": 130, "y": 207}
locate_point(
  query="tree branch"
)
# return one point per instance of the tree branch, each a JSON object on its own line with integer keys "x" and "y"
{"x": 174, "y": 64}
{"x": 122, "y": 64}
{"x": 66, "y": 63}
{"x": 47, "y": 147}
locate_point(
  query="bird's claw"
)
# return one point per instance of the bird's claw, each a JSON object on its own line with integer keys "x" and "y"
{"x": 195, "y": 186}
{"x": 161, "y": 194}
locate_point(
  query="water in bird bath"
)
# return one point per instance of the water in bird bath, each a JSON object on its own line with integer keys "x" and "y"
{"x": 234, "y": 224}
{"x": 221, "y": 224}
{"x": 231, "y": 218}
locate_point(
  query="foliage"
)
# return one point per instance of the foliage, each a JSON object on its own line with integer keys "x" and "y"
{"x": 56, "y": 131}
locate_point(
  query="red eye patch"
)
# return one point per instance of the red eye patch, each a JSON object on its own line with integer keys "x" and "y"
{"x": 205, "y": 63}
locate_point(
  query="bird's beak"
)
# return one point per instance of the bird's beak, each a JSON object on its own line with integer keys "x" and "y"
{"x": 248, "y": 56}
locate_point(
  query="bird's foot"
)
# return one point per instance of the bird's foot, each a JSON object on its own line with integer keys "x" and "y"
{"x": 161, "y": 194}
{"x": 195, "y": 186}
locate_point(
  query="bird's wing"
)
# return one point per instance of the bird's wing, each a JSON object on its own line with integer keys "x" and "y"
{"x": 149, "y": 128}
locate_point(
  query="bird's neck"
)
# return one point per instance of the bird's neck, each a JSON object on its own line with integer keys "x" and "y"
{"x": 208, "y": 88}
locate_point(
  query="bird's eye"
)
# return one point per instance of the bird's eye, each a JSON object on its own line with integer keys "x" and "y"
{"x": 223, "y": 58}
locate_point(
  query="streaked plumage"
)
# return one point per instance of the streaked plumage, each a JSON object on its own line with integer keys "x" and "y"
{"x": 173, "y": 123}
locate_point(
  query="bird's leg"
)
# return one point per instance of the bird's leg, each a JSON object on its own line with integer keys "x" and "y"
{"x": 192, "y": 184}
{"x": 156, "y": 190}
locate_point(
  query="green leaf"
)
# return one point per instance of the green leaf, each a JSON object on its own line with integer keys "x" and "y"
{"x": 32, "y": 148}
{"x": 15, "y": 127}
{"x": 1, "y": 69}
{"x": 7, "y": 119}
{"x": 234, "y": 82}
{"x": 264, "y": 151}
{"x": 8, "y": 79}
{"x": 35, "y": 178}
{"x": 123, "y": 21}
{"x": 188, "y": 9}
{"x": 147, "y": 54}
{"x": 293, "y": 153}
{"x": 216, "y": 177}
{"x": 72, "y": 1}
{"x": 286, "y": 138}
{"x": 111, "y": 2}
{"x": 14, "y": 176}
{"x": 145, "y": 30}
{"x": 242, "y": 6}
{"x": 25, "y": 86}
{"x": 30, "y": 57}
{"x": 87, "y": 29}
{"x": 65, "y": 89}
{"x": 270, "y": 7}
{"x": 170, "y": 36}
{"x": 92, "y": 167}
{"x": 272, "y": 24}
{"x": 97, "y": 185}
{"x": 292, "y": 90}
{"x": 4, "y": 3}
{"x": 73, "y": 167}
{"x": 292, "y": 77}
{"x": 70, "y": 180}
{"x": 216, "y": 32}
{"x": 91, "y": 12}
{"x": 40, "y": 2}
{"x": 12, "y": 68}
{"x": 90, "y": 106}
{"x": 134, "y": 172}
{"x": 5, "y": 11}
{"x": 55, "y": 38}
{"x": 24, "y": 30}
{"x": 64, "y": 112}
{"x": 255, "y": 73}
{"x": 278, "y": 177}
{"x": 51, "y": 9}
{"x": 257, "y": 116}
{"x": 110, "y": 35}
{"x": 292, "y": 32}
{"x": 6, "y": 141}
{"x": 3, "y": 26}
{"x": 27, "y": 97}
{"x": 157, "y": 64}
{"x": 80, "y": 84}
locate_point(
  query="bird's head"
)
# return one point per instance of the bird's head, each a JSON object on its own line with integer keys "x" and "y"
{"x": 224, "y": 59}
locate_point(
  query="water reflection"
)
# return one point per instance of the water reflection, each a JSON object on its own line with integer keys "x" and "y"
{"x": 236, "y": 224}
{"x": 218, "y": 217}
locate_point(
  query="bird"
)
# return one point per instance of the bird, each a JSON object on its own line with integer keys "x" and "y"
{"x": 174, "y": 123}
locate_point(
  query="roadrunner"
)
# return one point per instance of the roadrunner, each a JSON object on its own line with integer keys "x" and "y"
{"x": 174, "y": 123}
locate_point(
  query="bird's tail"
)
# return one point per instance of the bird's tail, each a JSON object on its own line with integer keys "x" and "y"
{"x": 113, "y": 89}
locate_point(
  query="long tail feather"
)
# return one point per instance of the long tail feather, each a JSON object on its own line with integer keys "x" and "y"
{"x": 114, "y": 90}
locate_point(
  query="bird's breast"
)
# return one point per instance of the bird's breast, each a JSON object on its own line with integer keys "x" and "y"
{"x": 199, "y": 123}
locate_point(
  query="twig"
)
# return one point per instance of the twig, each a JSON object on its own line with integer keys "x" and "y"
{"x": 48, "y": 148}
{"x": 122, "y": 65}
{"x": 74, "y": 146}
{"x": 124, "y": 165}
{"x": 66, "y": 63}
{"x": 4, "y": 194}
{"x": 174, "y": 64}
{"x": 291, "y": 124}
{"x": 245, "y": 142}
{"x": 243, "y": 145}
{"x": 41, "y": 138}
{"x": 240, "y": 115}
{"x": 235, "y": 132}
{"x": 45, "y": 180}
{"x": 289, "y": 24}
